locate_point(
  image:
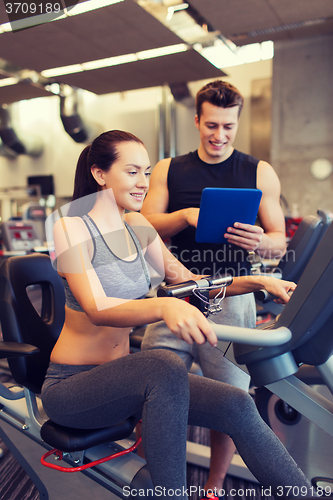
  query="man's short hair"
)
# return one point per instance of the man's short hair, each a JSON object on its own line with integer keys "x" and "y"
{"x": 221, "y": 94}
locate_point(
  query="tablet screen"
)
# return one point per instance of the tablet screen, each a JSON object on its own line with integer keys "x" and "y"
{"x": 220, "y": 208}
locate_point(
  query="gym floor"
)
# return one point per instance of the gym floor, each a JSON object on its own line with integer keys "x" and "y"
{"x": 16, "y": 485}
{"x": 235, "y": 488}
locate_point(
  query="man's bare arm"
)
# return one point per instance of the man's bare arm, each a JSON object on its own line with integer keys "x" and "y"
{"x": 156, "y": 204}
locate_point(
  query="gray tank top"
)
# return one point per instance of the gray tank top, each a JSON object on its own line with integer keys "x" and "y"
{"x": 119, "y": 278}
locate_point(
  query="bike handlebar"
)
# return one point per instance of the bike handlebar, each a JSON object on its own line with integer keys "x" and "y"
{"x": 264, "y": 296}
{"x": 249, "y": 336}
{"x": 229, "y": 333}
{"x": 185, "y": 289}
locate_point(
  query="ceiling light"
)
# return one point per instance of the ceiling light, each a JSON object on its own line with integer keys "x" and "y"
{"x": 29, "y": 22}
{"x": 99, "y": 63}
{"x": 115, "y": 61}
{"x": 80, "y": 8}
{"x": 267, "y": 50}
{"x": 5, "y": 82}
{"x": 63, "y": 70}
{"x": 4, "y": 28}
{"x": 162, "y": 51}
{"x": 223, "y": 57}
{"x": 109, "y": 61}
{"x": 89, "y": 5}
{"x": 251, "y": 53}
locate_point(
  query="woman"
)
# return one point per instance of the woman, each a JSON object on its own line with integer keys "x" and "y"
{"x": 107, "y": 254}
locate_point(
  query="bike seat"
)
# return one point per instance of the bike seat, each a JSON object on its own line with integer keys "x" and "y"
{"x": 68, "y": 439}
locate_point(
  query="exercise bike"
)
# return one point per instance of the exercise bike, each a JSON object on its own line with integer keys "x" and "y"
{"x": 30, "y": 336}
{"x": 30, "y": 330}
{"x": 309, "y": 445}
{"x": 300, "y": 250}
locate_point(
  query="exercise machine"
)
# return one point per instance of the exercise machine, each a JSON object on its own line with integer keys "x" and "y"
{"x": 20, "y": 235}
{"x": 23, "y": 324}
{"x": 34, "y": 211}
{"x": 23, "y": 220}
{"x": 37, "y": 324}
{"x": 296, "y": 376}
{"x": 308, "y": 315}
{"x": 302, "y": 246}
{"x": 307, "y": 443}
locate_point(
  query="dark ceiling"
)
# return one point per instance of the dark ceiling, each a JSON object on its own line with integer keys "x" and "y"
{"x": 250, "y": 21}
{"x": 126, "y": 27}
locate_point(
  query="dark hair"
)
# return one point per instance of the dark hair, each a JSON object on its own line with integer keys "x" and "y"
{"x": 221, "y": 94}
{"x": 103, "y": 153}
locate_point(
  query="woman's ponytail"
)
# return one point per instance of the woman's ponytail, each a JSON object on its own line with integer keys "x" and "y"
{"x": 84, "y": 185}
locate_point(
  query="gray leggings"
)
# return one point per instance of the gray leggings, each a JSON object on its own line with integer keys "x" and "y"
{"x": 155, "y": 386}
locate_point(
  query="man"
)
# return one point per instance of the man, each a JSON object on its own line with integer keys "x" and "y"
{"x": 172, "y": 207}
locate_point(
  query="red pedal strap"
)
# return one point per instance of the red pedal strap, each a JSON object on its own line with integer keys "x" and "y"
{"x": 85, "y": 466}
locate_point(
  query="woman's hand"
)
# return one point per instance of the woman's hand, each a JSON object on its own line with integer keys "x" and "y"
{"x": 279, "y": 288}
{"x": 187, "y": 322}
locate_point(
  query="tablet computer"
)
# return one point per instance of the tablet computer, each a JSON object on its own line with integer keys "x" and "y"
{"x": 220, "y": 208}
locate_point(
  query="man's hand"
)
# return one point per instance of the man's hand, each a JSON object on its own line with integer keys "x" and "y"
{"x": 191, "y": 216}
{"x": 245, "y": 235}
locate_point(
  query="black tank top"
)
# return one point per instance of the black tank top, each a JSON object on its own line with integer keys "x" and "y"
{"x": 188, "y": 175}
